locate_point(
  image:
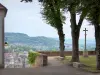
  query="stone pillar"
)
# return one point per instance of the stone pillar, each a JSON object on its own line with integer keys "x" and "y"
{"x": 41, "y": 60}
{"x": 3, "y": 12}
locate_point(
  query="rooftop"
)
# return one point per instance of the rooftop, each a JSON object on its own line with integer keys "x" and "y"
{"x": 2, "y": 7}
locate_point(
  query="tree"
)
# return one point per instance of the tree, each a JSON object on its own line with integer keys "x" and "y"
{"x": 94, "y": 19}
{"x": 31, "y": 0}
{"x": 27, "y": 0}
{"x": 52, "y": 15}
{"x": 74, "y": 7}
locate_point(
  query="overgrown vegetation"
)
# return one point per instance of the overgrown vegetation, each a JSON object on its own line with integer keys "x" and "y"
{"x": 32, "y": 57}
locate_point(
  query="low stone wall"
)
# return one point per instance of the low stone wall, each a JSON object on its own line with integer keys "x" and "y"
{"x": 67, "y": 53}
{"x": 41, "y": 60}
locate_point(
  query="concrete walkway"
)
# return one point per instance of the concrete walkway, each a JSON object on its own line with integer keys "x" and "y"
{"x": 54, "y": 68}
{"x": 52, "y": 61}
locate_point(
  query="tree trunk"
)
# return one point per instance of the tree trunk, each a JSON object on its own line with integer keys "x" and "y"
{"x": 97, "y": 38}
{"x": 75, "y": 46}
{"x": 75, "y": 37}
{"x": 61, "y": 40}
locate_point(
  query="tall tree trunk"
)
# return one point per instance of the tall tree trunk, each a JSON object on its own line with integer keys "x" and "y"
{"x": 97, "y": 38}
{"x": 75, "y": 46}
{"x": 75, "y": 37}
{"x": 62, "y": 39}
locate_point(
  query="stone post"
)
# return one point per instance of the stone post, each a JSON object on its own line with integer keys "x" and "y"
{"x": 85, "y": 52}
{"x": 3, "y": 12}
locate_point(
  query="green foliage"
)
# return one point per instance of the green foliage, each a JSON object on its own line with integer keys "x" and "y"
{"x": 32, "y": 57}
{"x": 51, "y": 12}
{"x": 94, "y": 13}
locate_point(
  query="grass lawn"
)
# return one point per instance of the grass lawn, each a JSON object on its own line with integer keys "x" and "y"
{"x": 89, "y": 61}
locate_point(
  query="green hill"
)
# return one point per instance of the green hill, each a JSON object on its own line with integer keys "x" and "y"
{"x": 23, "y": 39}
{"x": 43, "y": 43}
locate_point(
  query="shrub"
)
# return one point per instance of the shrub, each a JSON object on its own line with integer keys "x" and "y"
{"x": 32, "y": 57}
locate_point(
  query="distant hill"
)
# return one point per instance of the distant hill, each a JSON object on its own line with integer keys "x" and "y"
{"x": 44, "y": 43}
{"x": 20, "y": 38}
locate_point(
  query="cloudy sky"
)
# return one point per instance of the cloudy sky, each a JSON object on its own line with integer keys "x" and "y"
{"x": 26, "y": 18}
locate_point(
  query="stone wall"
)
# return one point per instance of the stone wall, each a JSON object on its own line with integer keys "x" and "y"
{"x": 67, "y": 53}
{"x": 41, "y": 60}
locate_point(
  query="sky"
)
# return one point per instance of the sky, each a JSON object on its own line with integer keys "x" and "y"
{"x": 26, "y": 18}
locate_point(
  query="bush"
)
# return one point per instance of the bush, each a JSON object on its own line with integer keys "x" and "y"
{"x": 32, "y": 57}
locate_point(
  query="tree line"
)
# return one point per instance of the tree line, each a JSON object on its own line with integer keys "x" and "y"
{"x": 53, "y": 13}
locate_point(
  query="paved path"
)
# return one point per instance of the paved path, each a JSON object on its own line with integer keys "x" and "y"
{"x": 52, "y": 61}
{"x": 51, "y": 70}
{"x": 55, "y": 68}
